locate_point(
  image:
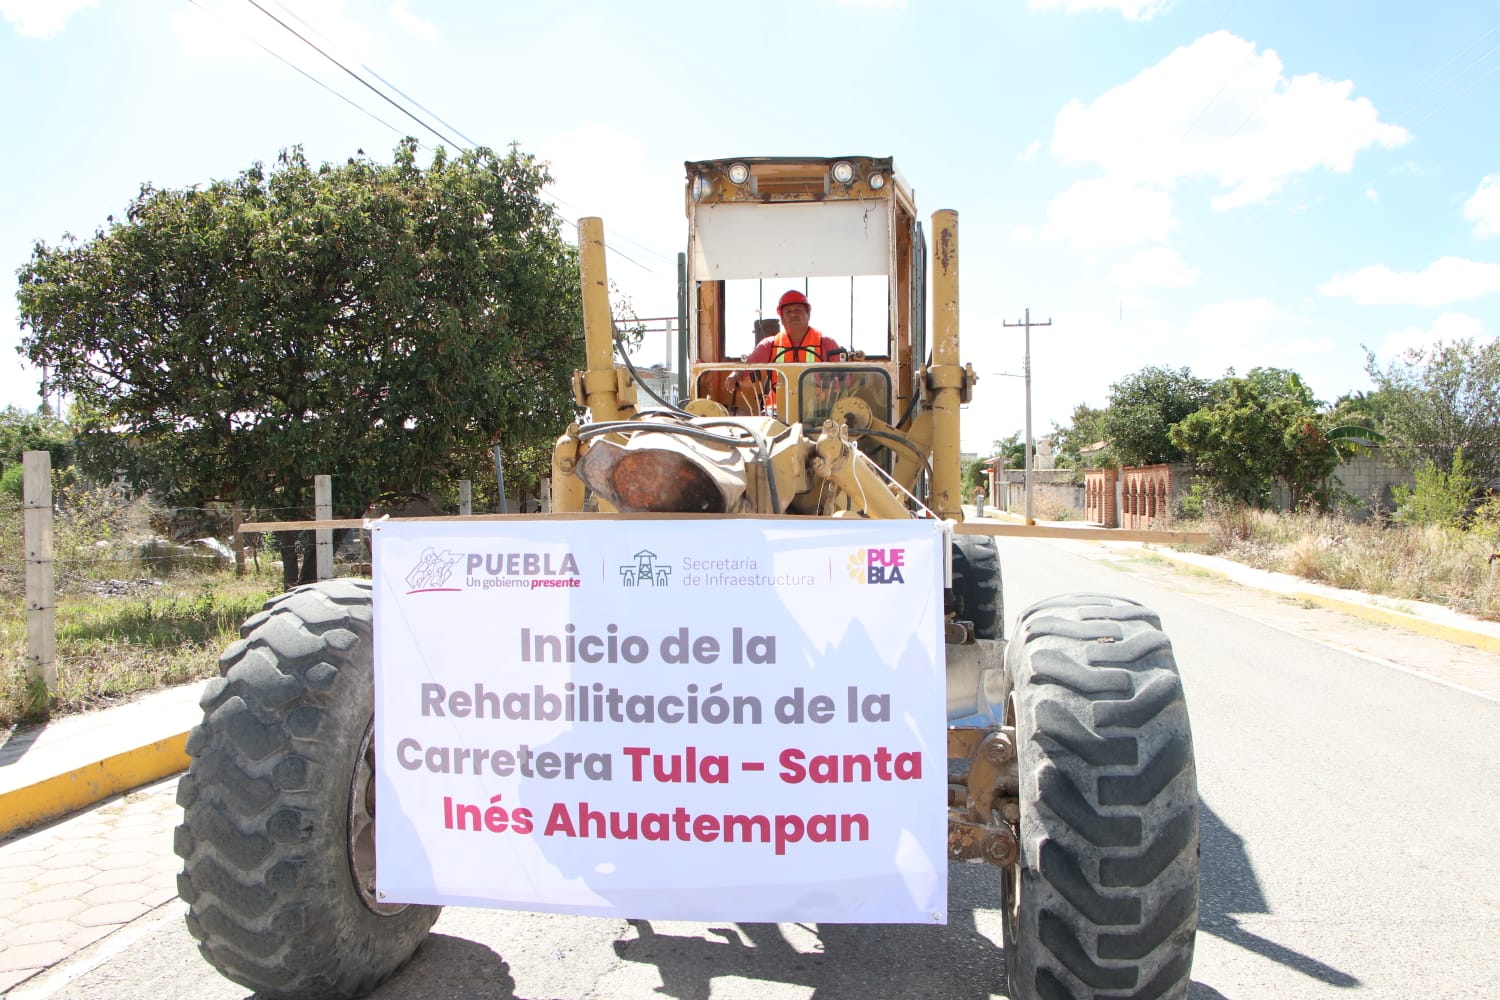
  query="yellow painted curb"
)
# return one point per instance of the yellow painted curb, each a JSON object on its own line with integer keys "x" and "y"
{"x": 1386, "y": 616}
{"x": 1410, "y": 622}
{"x": 52, "y": 798}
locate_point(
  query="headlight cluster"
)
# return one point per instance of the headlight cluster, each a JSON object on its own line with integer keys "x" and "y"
{"x": 841, "y": 172}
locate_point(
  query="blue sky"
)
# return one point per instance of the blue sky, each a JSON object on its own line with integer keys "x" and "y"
{"x": 1205, "y": 183}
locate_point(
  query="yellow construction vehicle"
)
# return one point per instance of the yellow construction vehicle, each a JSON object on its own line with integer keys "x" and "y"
{"x": 1070, "y": 758}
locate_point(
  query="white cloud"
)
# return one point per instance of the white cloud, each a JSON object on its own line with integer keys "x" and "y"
{"x": 1445, "y": 281}
{"x": 1246, "y": 334}
{"x": 1446, "y": 329}
{"x": 1029, "y": 153}
{"x": 1022, "y": 233}
{"x": 1239, "y": 322}
{"x": 41, "y": 18}
{"x": 1159, "y": 267}
{"x": 1131, "y": 10}
{"x": 1371, "y": 193}
{"x": 1259, "y": 131}
{"x": 1109, "y": 212}
{"x": 411, "y": 23}
{"x": 1483, "y": 207}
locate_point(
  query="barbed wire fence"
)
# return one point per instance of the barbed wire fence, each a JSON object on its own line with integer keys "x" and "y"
{"x": 77, "y": 534}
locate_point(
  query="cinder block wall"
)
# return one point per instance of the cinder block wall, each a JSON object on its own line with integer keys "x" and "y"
{"x": 1369, "y": 479}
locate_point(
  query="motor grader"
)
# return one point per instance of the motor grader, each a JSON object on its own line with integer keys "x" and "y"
{"x": 1070, "y": 764}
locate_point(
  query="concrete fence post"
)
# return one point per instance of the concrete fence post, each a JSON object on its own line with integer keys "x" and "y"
{"x": 237, "y": 518}
{"x": 323, "y": 511}
{"x": 41, "y": 594}
{"x": 465, "y": 497}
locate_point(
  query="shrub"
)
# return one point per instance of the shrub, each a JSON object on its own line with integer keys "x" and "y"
{"x": 1438, "y": 497}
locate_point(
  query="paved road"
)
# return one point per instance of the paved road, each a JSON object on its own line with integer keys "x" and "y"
{"x": 1347, "y": 774}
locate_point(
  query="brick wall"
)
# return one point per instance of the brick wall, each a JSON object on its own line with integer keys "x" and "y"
{"x": 1145, "y": 496}
{"x": 1099, "y": 497}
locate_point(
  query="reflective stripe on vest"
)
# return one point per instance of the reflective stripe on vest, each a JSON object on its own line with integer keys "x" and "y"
{"x": 785, "y": 352}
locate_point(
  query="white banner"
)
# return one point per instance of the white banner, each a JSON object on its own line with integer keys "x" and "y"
{"x": 677, "y": 719}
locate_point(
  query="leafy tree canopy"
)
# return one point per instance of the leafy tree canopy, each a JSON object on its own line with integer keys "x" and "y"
{"x": 1085, "y": 430}
{"x": 21, "y": 431}
{"x": 1012, "y": 449}
{"x": 381, "y": 323}
{"x": 1261, "y": 428}
{"x": 1440, "y": 401}
{"x": 1142, "y": 410}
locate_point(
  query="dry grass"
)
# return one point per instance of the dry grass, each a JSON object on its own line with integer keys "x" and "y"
{"x": 1423, "y": 563}
{"x": 130, "y": 617}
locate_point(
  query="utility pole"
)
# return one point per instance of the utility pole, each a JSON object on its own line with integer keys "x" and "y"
{"x": 1026, "y": 370}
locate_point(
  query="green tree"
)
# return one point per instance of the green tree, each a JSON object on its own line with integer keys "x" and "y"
{"x": 1085, "y": 430}
{"x": 1143, "y": 409}
{"x": 1261, "y": 428}
{"x": 1440, "y": 401}
{"x": 22, "y": 431}
{"x": 1012, "y": 449}
{"x": 381, "y": 323}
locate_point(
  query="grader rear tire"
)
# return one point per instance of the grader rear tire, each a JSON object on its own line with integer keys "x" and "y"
{"x": 976, "y": 595}
{"x": 1103, "y": 901}
{"x": 277, "y": 838}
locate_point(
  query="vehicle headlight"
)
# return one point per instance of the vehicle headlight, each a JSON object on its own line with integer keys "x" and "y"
{"x": 877, "y": 181}
{"x": 739, "y": 173}
{"x": 843, "y": 172}
{"x": 701, "y": 187}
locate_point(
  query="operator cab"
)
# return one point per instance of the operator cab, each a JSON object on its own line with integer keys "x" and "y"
{"x": 841, "y": 230}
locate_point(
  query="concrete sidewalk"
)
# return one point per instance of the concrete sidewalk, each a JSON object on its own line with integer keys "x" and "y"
{"x": 66, "y": 885}
{"x": 1416, "y": 616}
{"x": 1433, "y": 620}
{"x": 50, "y": 770}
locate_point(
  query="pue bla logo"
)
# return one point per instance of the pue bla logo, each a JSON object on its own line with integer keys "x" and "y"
{"x": 518, "y": 570}
{"x": 645, "y": 571}
{"x": 432, "y": 570}
{"x": 874, "y": 565}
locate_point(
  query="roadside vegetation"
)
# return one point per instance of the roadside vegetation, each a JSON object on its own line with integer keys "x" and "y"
{"x": 135, "y": 612}
{"x": 1420, "y": 562}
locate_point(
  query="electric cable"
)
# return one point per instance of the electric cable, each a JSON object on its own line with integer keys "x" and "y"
{"x": 276, "y": 55}
{"x": 362, "y": 81}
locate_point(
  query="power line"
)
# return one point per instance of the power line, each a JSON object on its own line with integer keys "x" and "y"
{"x": 1451, "y": 80}
{"x": 1203, "y": 110}
{"x": 365, "y": 83}
{"x": 1493, "y": 70}
{"x": 271, "y": 52}
{"x": 368, "y": 69}
{"x": 1445, "y": 65}
{"x": 362, "y": 81}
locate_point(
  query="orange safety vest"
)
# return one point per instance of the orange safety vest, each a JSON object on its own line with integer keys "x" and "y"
{"x": 809, "y": 350}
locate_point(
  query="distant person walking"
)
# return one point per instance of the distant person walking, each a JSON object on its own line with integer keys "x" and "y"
{"x": 979, "y": 501}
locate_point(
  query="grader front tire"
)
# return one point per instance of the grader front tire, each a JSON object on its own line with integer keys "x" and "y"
{"x": 278, "y": 820}
{"x": 1103, "y": 900}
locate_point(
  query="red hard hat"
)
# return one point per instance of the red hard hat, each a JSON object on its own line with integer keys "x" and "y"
{"x": 793, "y": 298}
